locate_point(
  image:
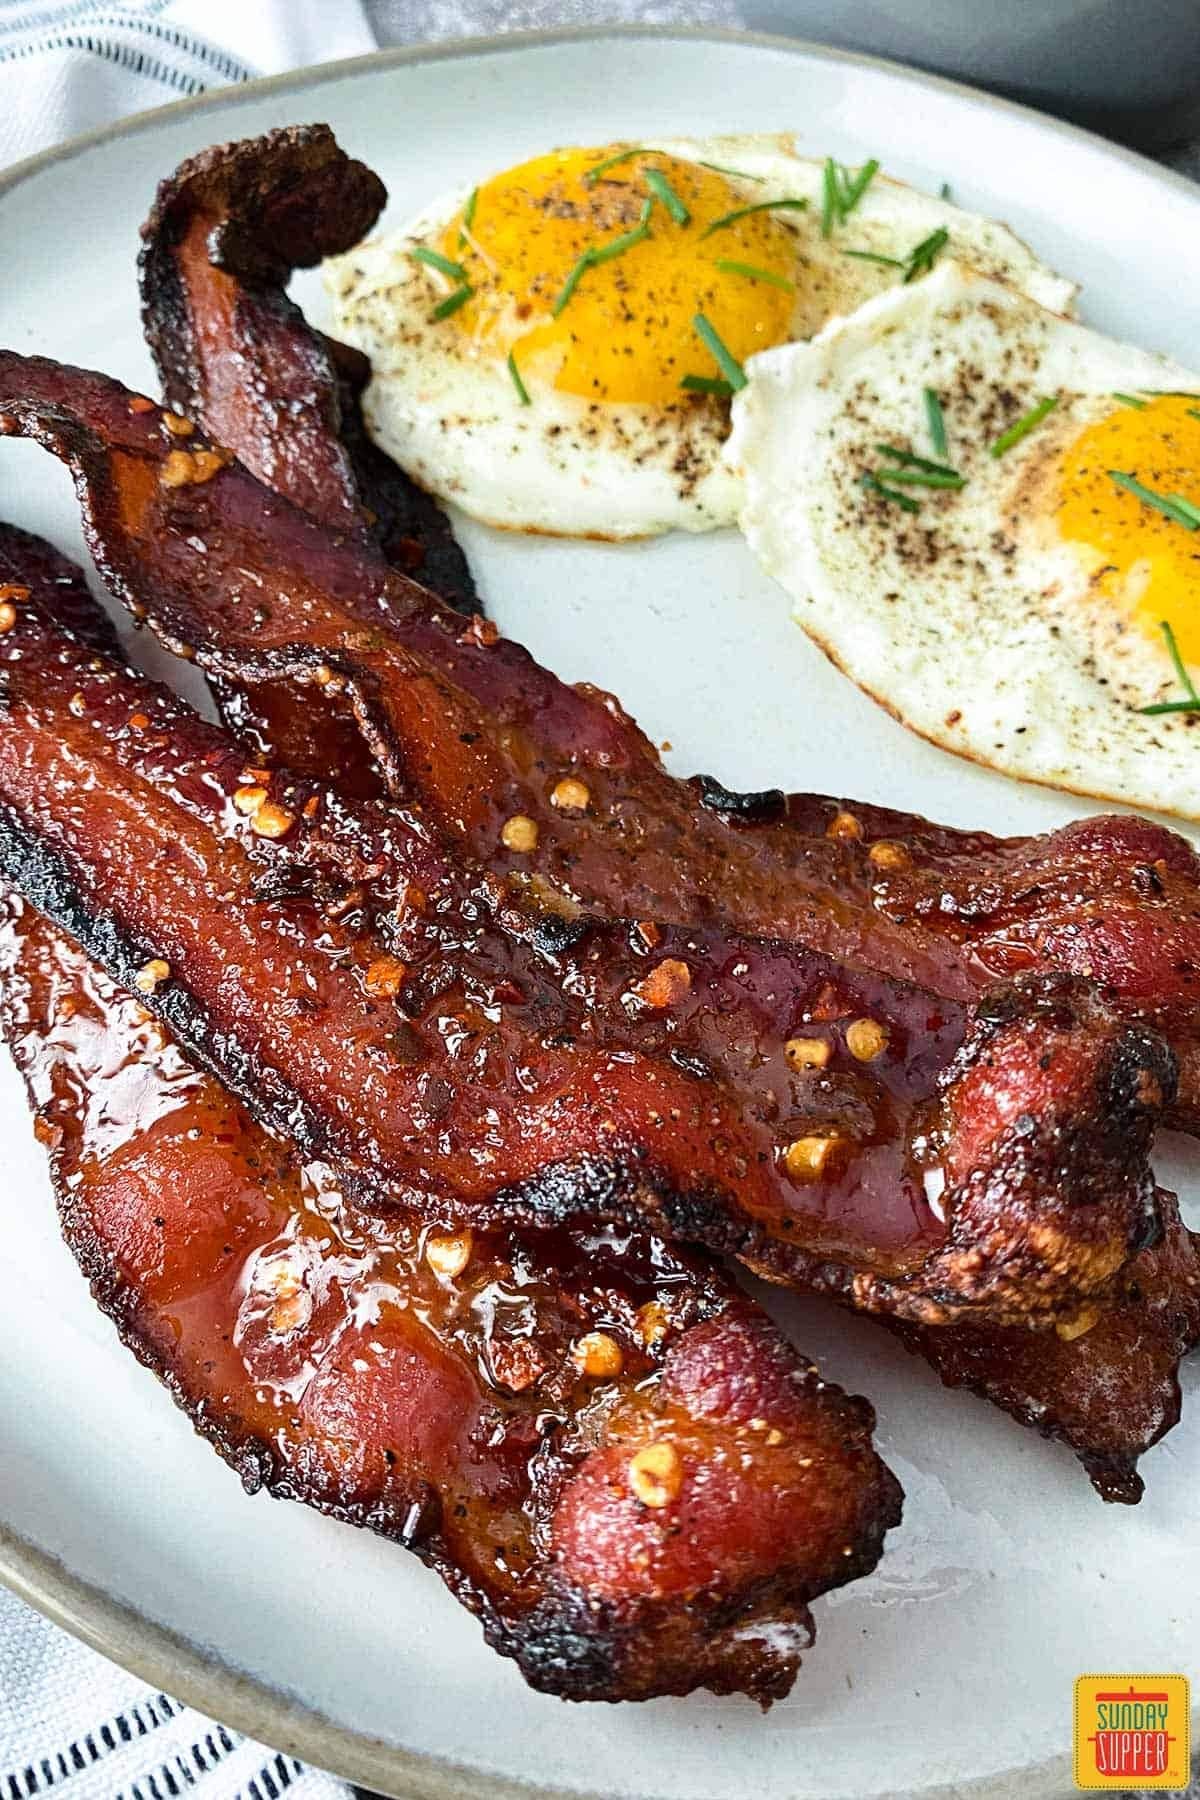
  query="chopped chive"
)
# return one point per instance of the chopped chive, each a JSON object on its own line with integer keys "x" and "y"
{"x": 1171, "y": 393}
{"x": 515, "y": 373}
{"x": 576, "y": 275}
{"x": 1193, "y": 412}
{"x": 936, "y": 422}
{"x": 1186, "y": 514}
{"x": 1170, "y": 706}
{"x": 873, "y": 256}
{"x": 841, "y": 191}
{"x": 922, "y": 258}
{"x": 944, "y": 191}
{"x": 739, "y": 174}
{"x": 1192, "y": 703}
{"x": 830, "y": 197}
{"x": 468, "y": 215}
{"x": 617, "y": 246}
{"x": 441, "y": 263}
{"x": 1024, "y": 425}
{"x": 728, "y": 364}
{"x": 908, "y": 460}
{"x": 853, "y": 191}
{"x": 662, "y": 190}
{"x": 452, "y": 302}
{"x": 602, "y": 253}
{"x": 931, "y": 478}
{"x": 873, "y": 485}
{"x": 593, "y": 174}
{"x": 1130, "y": 400}
{"x": 743, "y": 212}
{"x": 752, "y": 273}
{"x": 1185, "y": 680}
{"x": 1184, "y": 505}
{"x": 707, "y": 384}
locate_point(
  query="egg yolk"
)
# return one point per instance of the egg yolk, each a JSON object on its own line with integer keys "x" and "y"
{"x": 1146, "y": 563}
{"x": 625, "y": 330}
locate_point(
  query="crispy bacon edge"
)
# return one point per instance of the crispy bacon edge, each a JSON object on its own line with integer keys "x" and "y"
{"x": 226, "y": 232}
{"x": 1107, "y": 1386}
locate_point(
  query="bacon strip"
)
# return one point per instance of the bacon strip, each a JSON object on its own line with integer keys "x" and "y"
{"x": 225, "y": 234}
{"x": 327, "y": 1360}
{"x": 452, "y": 1043}
{"x": 474, "y": 729}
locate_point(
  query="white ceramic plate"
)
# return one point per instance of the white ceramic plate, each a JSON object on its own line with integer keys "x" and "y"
{"x": 952, "y": 1666}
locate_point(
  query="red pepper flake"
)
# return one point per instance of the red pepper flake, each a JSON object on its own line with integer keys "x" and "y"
{"x": 385, "y": 977}
{"x": 828, "y": 1005}
{"x": 516, "y": 1363}
{"x": 481, "y": 632}
{"x": 188, "y": 468}
{"x": 665, "y": 985}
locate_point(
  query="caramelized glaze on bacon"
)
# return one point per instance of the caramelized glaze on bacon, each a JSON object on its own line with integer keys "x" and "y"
{"x": 327, "y": 1360}
{"x": 453, "y": 1043}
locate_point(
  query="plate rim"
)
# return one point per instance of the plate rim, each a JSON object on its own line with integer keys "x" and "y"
{"x": 152, "y": 1651}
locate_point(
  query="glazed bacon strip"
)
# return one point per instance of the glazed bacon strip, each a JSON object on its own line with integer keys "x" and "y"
{"x": 226, "y": 233}
{"x": 1115, "y": 899}
{"x": 1109, "y": 1392}
{"x": 609, "y": 1456}
{"x": 555, "y": 783}
{"x": 452, "y": 1044}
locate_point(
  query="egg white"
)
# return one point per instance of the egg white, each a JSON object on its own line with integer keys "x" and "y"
{"x": 971, "y": 621}
{"x": 451, "y": 417}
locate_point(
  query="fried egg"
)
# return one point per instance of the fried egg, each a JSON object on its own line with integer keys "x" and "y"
{"x": 989, "y": 517}
{"x": 554, "y": 350}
